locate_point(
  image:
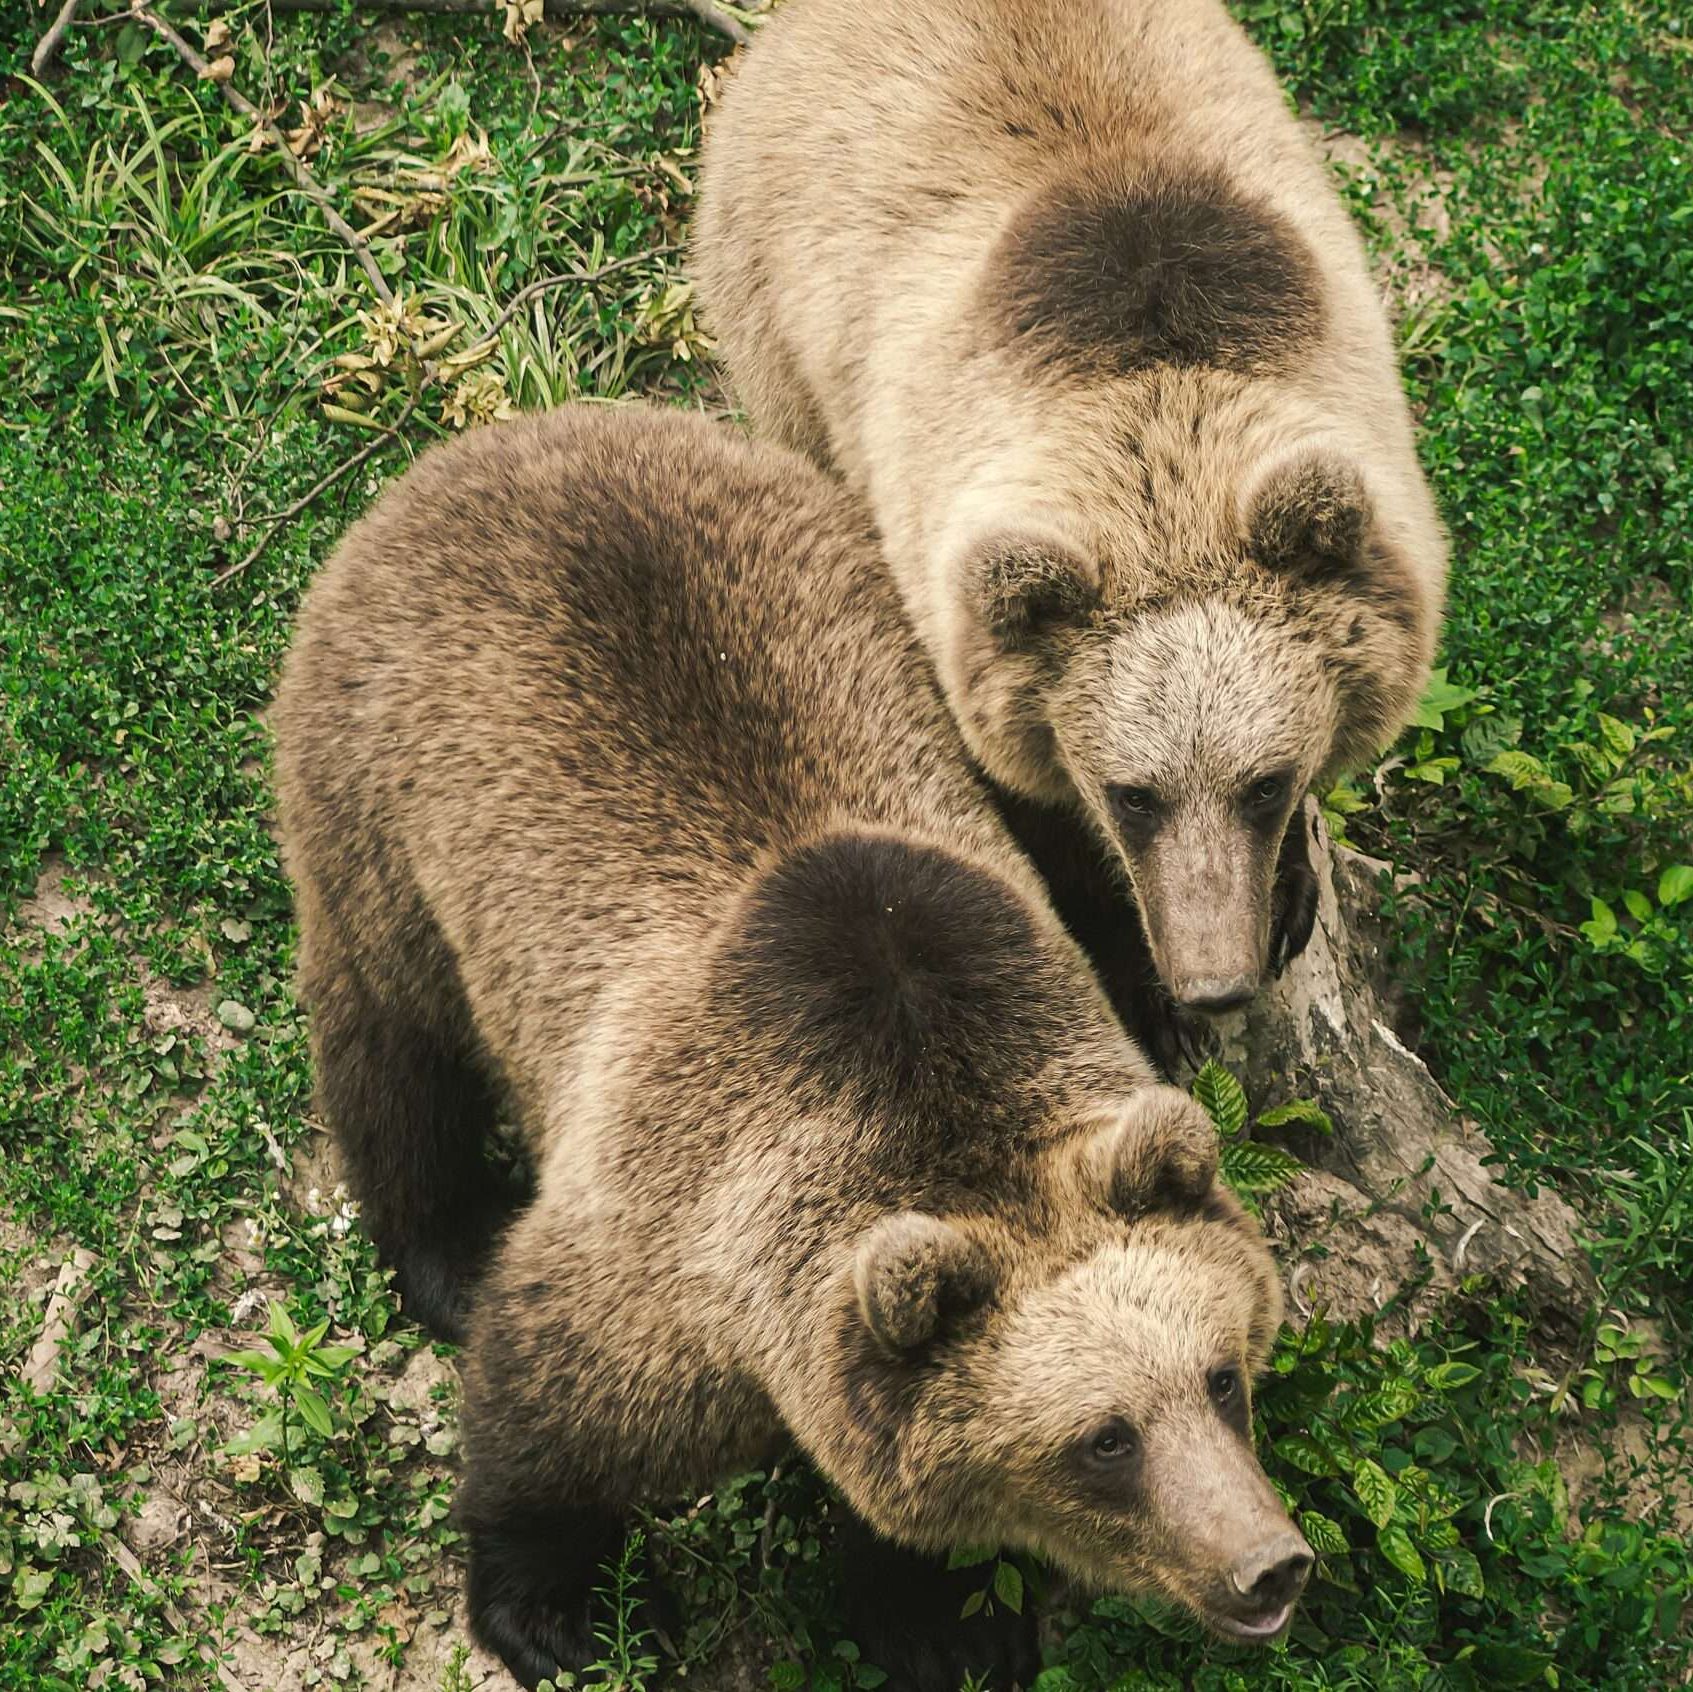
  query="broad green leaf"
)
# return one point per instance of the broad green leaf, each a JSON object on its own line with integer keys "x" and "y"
{"x": 1448, "y": 1377}
{"x": 1008, "y": 1586}
{"x": 972, "y": 1605}
{"x": 1602, "y": 929}
{"x": 334, "y": 1356}
{"x": 1306, "y": 1111}
{"x": 314, "y": 1412}
{"x": 1488, "y": 736}
{"x": 309, "y": 1339}
{"x": 1389, "y": 1402}
{"x": 1458, "y": 1571}
{"x": 787, "y": 1677}
{"x": 1438, "y": 698}
{"x": 1304, "y": 1453}
{"x": 264, "y": 1435}
{"x": 1345, "y": 800}
{"x": 1511, "y": 1665}
{"x": 30, "y": 1586}
{"x": 262, "y": 1363}
{"x": 1675, "y": 885}
{"x": 968, "y": 1556}
{"x": 1395, "y": 1545}
{"x": 235, "y": 1016}
{"x": 1617, "y": 736}
{"x": 1434, "y": 1445}
{"x": 1325, "y": 1537}
{"x": 1638, "y": 905}
{"x": 1222, "y": 1096}
{"x": 1250, "y": 1167}
{"x": 1376, "y": 1492}
{"x": 306, "y": 1485}
{"x": 1528, "y": 775}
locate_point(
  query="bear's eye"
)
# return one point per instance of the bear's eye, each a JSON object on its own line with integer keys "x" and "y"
{"x": 1266, "y": 792}
{"x": 1225, "y": 1385}
{"x": 1133, "y": 804}
{"x": 1113, "y": 1442}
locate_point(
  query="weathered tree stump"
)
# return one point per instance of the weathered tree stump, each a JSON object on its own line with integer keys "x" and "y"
{"x": 1400, "y": 1191}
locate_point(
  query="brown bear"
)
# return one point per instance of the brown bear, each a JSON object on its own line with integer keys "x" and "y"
{"x": 613, "y": 785}
{"x": 1062, "y": 290}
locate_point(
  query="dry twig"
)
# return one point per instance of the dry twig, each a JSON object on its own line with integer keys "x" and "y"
{"x": 303, "y": 178}
{"x": 69, "y": 1291}
{"x": 47, "y": 48}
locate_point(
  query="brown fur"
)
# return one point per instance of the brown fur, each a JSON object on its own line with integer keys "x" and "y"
{"x": 1061, "y": 290}
{"x": 612, "y": 781}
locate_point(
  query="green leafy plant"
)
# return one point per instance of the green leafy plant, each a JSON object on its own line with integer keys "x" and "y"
{"x": 1252, "y": 1167}
{"x": 626, "y": 1661}
{"x": 292, "y": 1365}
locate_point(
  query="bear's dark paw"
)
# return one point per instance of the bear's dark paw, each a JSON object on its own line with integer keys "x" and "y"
{"x": 999, "y": 1652}
{"x": 1294, "y": 911}
{"x": 536, "y": 1644}
{"x": 530, "y": 1589}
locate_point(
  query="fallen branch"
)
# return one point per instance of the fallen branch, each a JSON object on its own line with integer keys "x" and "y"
{"x": 731, "y": 21}
{"x": 431, "y": 378}
{"x": 69, "y": 1291}
{"x": 303, "y": 178}
{"x": 131, "y": 1566}
{"x": 47, "y": 48}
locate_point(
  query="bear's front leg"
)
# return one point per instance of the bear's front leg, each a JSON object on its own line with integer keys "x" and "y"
{"x": 543, "y": 1503}
{"x": 531, "y": 1586}
{"x": 903, "y": 1610}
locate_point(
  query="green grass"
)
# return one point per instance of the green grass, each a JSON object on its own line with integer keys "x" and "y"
{"x": 172, "y": 324}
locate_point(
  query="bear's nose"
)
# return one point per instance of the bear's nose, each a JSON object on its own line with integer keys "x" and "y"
{"x": 1215, "y": 994}
{"x": 1274, "y": 1574}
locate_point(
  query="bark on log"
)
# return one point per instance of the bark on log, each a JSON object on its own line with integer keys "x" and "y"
{"x": 1403, "y": 1168}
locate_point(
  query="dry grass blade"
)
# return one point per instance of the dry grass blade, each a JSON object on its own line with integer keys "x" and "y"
{"x": 69, "y": 1290}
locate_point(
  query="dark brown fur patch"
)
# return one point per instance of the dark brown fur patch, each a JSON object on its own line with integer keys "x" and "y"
{"x": 894, "y": 970}
{"x": 1182, "y": 272}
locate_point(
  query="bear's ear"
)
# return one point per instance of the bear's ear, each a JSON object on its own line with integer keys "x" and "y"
{"x": 915, "y": 1272}
{"x": 1310, "y": 515}
{"x": 1030, "y": 581}
{"x": 1159, "y": 1153}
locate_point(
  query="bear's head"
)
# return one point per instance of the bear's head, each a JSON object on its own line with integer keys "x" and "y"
{"x": 1192, "y": 563}
{"x": 1076, "y": 1381}
{"x": 1189, "y": 668}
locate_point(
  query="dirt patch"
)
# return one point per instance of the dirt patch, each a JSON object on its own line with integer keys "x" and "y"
{"x": 1639, "y": 1465}
{"x": 50, "y": 909}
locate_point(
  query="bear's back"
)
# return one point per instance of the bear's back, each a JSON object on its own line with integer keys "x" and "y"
{"x": 570, "y": 680}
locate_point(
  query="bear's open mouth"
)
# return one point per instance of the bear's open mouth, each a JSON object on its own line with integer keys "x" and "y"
{"x": 1255, "y": 1631}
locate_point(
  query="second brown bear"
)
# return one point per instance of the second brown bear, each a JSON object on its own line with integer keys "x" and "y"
{"x": 613, "y": 782}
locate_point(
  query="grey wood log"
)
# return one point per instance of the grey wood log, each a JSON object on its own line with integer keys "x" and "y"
{"x": 1403, "y": 1173}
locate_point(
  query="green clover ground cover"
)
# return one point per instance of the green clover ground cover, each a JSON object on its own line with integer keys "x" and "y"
{"x": 185, "y": 351}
